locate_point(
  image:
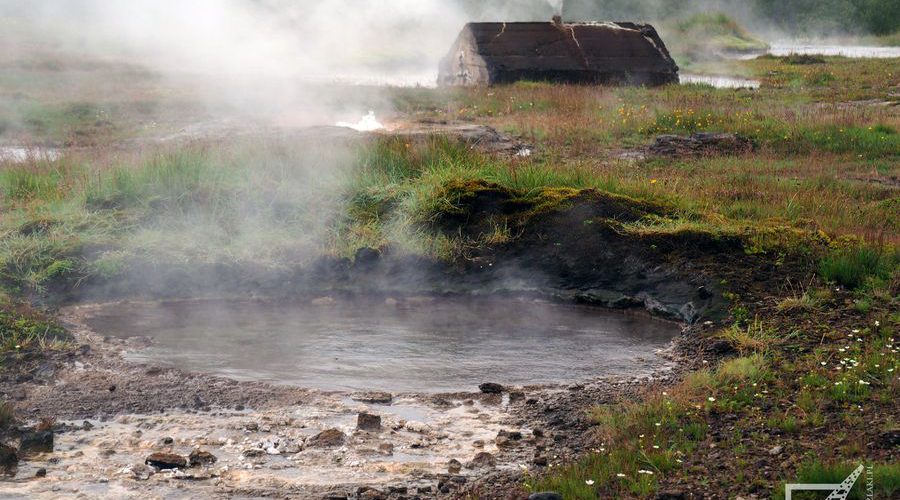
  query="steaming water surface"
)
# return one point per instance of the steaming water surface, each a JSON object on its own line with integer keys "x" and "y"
{"x": 431, "y": 346}
{"x": 720, "y": 82}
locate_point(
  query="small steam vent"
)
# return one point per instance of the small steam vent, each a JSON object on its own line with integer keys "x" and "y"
{"x": 613, "y": 53}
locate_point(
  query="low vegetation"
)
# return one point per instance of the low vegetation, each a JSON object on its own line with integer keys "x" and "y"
{"x": 807, "y": 375}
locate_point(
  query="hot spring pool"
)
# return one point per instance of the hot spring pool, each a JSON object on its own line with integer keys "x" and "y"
{"x": 420, "y": 346}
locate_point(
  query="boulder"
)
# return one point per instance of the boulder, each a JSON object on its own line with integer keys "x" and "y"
{"x": 368, "y": 422}
{"x": 329, "y": 438}
{"x": 166, "y": 461}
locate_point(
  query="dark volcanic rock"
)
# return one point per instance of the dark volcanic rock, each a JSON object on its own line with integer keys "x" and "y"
{"x": 330, "y": 438}
{"x": 200, "y": 457}
{"x": 545, "y": 495}
{"x": 490, "y": 388}
{"x": 9, "y": 460}
{"x": 36, "y": 442}
{"x": 482, "y": 460}
{"x": 42, "y": 472}
{"x": 700, "y": 144}
{"x": 166, "y": 461}
{"x": 368, "y": 422}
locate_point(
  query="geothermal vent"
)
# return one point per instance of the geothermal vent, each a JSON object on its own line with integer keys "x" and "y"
{"x": 606, "y": 53}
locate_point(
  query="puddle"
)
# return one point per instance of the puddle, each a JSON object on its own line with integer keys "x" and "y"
{"x": 426, "y": 346}
{"x": 720, "y": 82}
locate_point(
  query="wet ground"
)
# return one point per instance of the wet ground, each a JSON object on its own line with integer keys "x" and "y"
{"x": 112, "y": 413}
{"x": 423, "y": 345}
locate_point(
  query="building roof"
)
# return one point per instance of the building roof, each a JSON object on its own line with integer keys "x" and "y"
{"x": 608, "y": 46}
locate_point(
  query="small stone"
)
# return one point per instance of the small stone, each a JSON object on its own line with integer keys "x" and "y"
{"x": 482, "y": 460}
{"x": 545, "y": 495}
{"x": 36, "y": 442}
{"x": 537, "y": 432}
{"x": 251, "y": 426}
{"x": 142, "y": 472}
{"x": 507, "y": 438}
{"x": 478, "y": 443}
{"x": 200, "y": 457}
{"x": 167, "y": 440}
{"x": 112, "y": 388}
{"x": 368, "y": 422}
{"x": 166, "y": 461}
{"x": 540, "y": 461}
{"x": 454, "y": 466}
{"x": 330, "y": 438}
{"x": 386, "y": 448}
{"x": 490, "y": 388}
{"x": 776, "y": 450}
{"x": 253, "y": 452}
{"x": 42, "y": 472}
{"x": 86, "y": 426}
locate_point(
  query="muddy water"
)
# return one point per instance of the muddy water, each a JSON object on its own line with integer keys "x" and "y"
{"x": 418, "y": 346}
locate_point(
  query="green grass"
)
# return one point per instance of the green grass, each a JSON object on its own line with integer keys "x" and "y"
{"x": 22, "y": 329}
{"x": 854, "y": 267}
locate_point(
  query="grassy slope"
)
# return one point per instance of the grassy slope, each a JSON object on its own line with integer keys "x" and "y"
{"x": 821, "y": 165}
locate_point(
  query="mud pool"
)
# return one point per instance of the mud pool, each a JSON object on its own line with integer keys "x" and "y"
{"x": 420, "y": 345}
